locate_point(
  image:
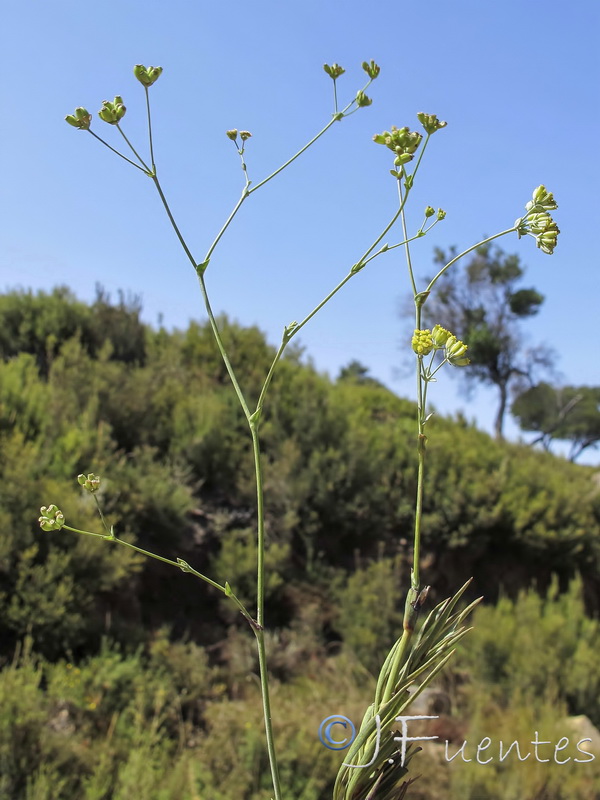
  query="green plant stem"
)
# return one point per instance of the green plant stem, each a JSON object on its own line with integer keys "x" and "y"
{"x": 228, "y": 221}
{"x": 244, "y": 165}
{"x": 260, "y": 574}
{"x": 421, "y": 154}
{"x": 466, "y": 252}
{"x": 106, "y": 144}
{"x": 415, "y": 577}
{"x": 421, "y": 439}
{"x": 209, "y": 311}
{"x": 104, "y": 523}
{"x": 260, "y": 615}
{"x": 271, "y": 371}
{"x": 296, "y": 155}
{"x": 221, "y": 346}
{"x": 134, "y": 151}
{"x": 413, "y": 593}
{"x": 252, "y": 420}
{"x": 365, "y": 259}
{"x": 172, "y": 221}
{"x": 112, "y": 538}
{"x": 150, "y": 130}
{"x": 404, "y": 231}
{"x": 336, "y": 117}
{"x": 181, "y": 565}
{"x": 248, "y": 191}
{"x": 431, "y": 375}
{"x": 368, "y": 255}
{"x": 260, "y": 612}
{"x": 387, "y": 247}
{"x": 387, "y": 228}
{"x": 412, "y": 600}
{"x": 399, "y": 213}
{"x": 297, "y": 329}
{"x": 264, "y": 685}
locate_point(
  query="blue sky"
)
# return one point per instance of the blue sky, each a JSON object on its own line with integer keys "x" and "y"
{"x": 517, "y": 83}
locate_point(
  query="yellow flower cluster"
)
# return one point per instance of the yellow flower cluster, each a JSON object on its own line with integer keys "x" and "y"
{"x": 424, "y": 341}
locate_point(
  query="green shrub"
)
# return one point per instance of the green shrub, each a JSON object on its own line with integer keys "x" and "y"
{"x": 369, "y": 611}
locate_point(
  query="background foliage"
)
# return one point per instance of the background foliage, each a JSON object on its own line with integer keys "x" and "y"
{"x": 122, "y": 676}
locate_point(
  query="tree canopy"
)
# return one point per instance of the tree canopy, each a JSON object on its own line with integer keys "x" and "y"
{"x": 569, "y": 413}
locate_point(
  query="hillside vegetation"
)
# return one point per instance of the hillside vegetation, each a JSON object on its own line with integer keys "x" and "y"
{"x": 125, "y": 678}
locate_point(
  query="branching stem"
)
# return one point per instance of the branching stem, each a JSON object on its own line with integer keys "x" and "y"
{"x": 466, "y": 252}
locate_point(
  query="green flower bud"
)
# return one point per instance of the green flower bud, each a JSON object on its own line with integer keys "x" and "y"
{"x": 81, "y": 119}
{"x": 334, "y": 71}
{"x": 112, "y": 112}
{"x": 542, "y": 201}
{"x": 91, "y": 482}
{"x": 147, "y": 75}
{"x": 542, "y": 227}
{"x": 289, "y": 329}
{"x": 429, "y": 212}
{"x": 245, "y": 135}
{"x": 439, "y": 336}
{"x": 441, "y": 214}
{"x": 383, "y": 138}
{"x": 408, "y": 140}
{"x": 536, "y": 223}
{"x": 232, "y": 134}
{"x": 455, "y": 352}
{"x": 404, "y": 158}
{"x": 422, "y": 343}
{"x": 362, "y": 100}
{"x": 430, "y": 122}
{"x": 402, "y": 141}
{"x": 371, "y": 69}
{"x": 548, "y": 240}
{"x": 52, "y": 518}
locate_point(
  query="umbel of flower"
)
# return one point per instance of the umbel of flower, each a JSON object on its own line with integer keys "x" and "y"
{"x": 456, "y": 352}
{"x": 541, "y": 201}
{"x": 81, "y": 119}
{"x": 112, "y": 112}
{"x": 147, "y": 75}
{"x": 401, "y": 141}
{"x": 430, "y": 122}
{"x": 52, "y": 518}
{"x": 372, "y": 69}
{"x": 90, "y": 482}
{"x": 422, "y": 343}
{"x": 538, "y": 222}
{"x": 362, "y": 100}
{"x": 548, "y": 238}
{"x": 334, "y": 71}
{"x": 439, "y": 336}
